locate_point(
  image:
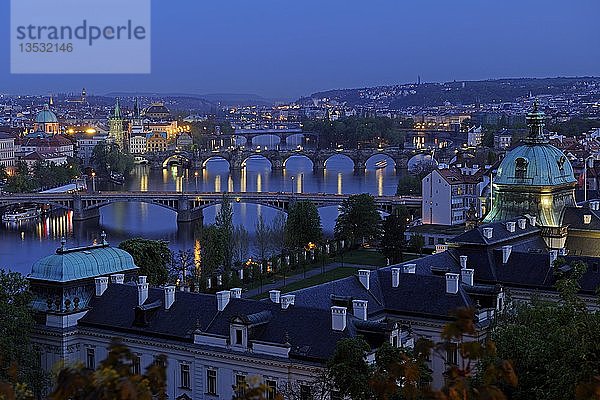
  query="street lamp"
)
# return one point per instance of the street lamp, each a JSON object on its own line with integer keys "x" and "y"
{"x": 292, "y": 189}
{"x": 196, "y": 177}
{"x": 93, "y": 181}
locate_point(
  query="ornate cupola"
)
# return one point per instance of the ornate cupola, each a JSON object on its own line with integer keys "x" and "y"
{"x": 534, "y": 178}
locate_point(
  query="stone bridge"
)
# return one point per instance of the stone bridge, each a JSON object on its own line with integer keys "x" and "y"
{"x": 237, "y": 158}
{"x": 189, "y": 206}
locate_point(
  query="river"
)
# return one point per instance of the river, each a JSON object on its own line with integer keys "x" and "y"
{"x": 21, "y": 245}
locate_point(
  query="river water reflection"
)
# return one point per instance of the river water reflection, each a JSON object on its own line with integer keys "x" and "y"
{"x": 21, "y": 245}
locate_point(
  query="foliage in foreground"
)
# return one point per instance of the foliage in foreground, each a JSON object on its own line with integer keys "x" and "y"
{"x": 113, "y": 379}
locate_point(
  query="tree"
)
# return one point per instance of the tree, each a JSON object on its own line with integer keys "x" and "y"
{"x": 409, "y": 185}
{"x": 417, "y": 242}
{"x": 241, "y": 240}
{"x": 349, "y": 369}
{"x": 20, "y": 181}
{"x": 115, "y": 378}
{"x": 553, "y": 345}
{"x": 18, "y": 357}
{"x": 303, "y": 225}
{"x": 3, "y": 173}
{"x": 224, "y": 221}
{"x": 358, "y": 219}
{"x": 211, "y": 251}
{"x": 151, "y": 256}
{"x": 277, "y": 230}
{"x": 108, "y": 157}
{"x": 392, "y": 241}
{"x": 263, "y": 238}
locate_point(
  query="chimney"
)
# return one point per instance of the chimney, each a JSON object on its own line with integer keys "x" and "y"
{"x": 451, "y": 283}
{"x": 522, "y": 223}
{"x": 410, "y": 268}
{"x": 169, "y": 296}
{"x": 359, "y": 307}
{"x": 287, "y": 300}
{"x": 338, "y": 318}
{"x": 236, "y": 293}
{"x": 532, "y": 220}
{"x": 223, "y": 299}
{"x": 510, "y": 226}
{"x": 463, "y": 262}
{"x": 363, "y": 277}
{"x": 506, "y": 250}
{"x": 142, "y": 290}
{"x": 395, "y": 277}
{"x": 488, "y": 232}
{"x": 466, "y": 276}
{"x": 587, "y": 219}
{"x": 117, "y": 278}
{"x": 274, "y": 295}
{"x": 553, "y": 256}
{"x": 101, "y": 285}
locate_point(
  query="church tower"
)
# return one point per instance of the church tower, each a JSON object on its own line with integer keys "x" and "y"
{"x": 115, "y": 124}
{"x": 535, "y": 178}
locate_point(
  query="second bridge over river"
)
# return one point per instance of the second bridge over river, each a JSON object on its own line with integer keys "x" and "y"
{"x": 189, "y": 206}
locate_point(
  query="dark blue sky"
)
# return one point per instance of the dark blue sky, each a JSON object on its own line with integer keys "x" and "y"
{"x": 286, "y": 49}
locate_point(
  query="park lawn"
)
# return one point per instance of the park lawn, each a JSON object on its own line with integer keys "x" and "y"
{"x": 336, "y": 273}
{"x": 363, "y": 257}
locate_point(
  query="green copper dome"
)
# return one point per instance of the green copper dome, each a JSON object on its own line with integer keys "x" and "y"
{"x": 46, "y": 116}
{"x": 82, "y": 263}
{"x": 535, "y": 164}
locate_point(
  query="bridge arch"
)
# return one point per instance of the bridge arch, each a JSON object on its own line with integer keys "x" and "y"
{"x": 298, "y": 156}
{"x": 274, "y": 140}
{"x": 381, "y": 156}
{"x": 256, "y": 156}
{"x": 340, "y": 156}
{"x": 174, "y": 158}
{"x": 214, "y": 158}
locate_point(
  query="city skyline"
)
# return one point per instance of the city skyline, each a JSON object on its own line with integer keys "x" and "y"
{"x": 287, "y": 52}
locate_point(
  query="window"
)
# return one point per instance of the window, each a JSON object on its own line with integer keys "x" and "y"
{"x": 431, "y": 241}
{"x": 240, "y": 385}
{"x": 238, "y": 337}
{"x": 160, "y": 361}
{"x": 305, "y": 392}
{"x": 271, "y": 389}
{"x": 135, "y": 364}
{"x": 452, "y": 354}
{"x": 184, "y": 370}
{"x": 520, "y": 168}
{"x": 91, "y": 358}
{"x": 394, "y": 341}
{"x": 211, "y": 381}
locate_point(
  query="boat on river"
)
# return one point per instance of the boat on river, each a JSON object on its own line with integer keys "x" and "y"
{"x": 381, "y": 164}
{"x": 19, "y": 214}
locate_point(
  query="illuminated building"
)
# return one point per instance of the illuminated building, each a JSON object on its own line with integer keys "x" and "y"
{"x": 116, "y": 131}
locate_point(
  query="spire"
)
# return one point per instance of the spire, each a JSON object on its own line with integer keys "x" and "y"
{"x": 136, "y": 109}
{"x": 535, "y": 120}
{"x": 51, "y": 102}
{"x": 117, "y": 111}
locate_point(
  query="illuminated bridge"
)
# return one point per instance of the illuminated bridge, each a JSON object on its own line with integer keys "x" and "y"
{"x": 189, "y": 205}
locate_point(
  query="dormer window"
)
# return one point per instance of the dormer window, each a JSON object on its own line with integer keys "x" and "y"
{"x": 521, "y": 168}
{"x": 238, "y": 334}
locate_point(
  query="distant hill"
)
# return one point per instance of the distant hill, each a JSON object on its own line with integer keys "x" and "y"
{"x": 455, "y": 93}
{"x": 224, "y": 99}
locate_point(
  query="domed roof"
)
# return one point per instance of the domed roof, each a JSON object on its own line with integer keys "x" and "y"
{"x": 46, "y": 116}
{"x": 535, "y": 162}
{"x": 82, "y": 263}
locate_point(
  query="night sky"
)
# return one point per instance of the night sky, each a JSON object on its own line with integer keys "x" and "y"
{"x": 285, "y": 49}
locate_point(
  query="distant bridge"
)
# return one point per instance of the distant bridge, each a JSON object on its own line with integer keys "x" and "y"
{"x": 237, "y": 158}
{"x": 189, "y": 206}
